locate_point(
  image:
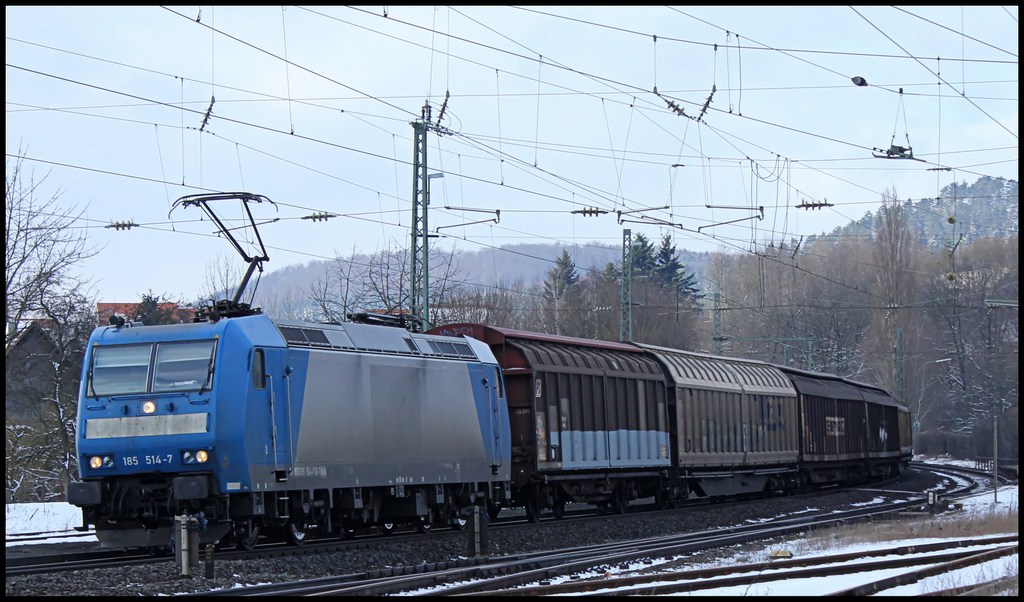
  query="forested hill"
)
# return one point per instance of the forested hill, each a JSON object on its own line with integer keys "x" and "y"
{"x": 986, "y": 209}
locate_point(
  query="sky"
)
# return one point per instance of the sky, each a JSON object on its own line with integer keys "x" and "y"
{"x": 712, "y": 125}
{"x": 59, "y": 520}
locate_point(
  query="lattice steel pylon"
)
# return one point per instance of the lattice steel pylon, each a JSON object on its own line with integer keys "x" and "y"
{"x": 419, "y": 267}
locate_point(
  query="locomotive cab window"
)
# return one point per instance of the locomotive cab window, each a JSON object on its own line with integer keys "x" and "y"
{"x": 259, "y": 372}
{"x": 120, "y": 370}
{"x": 183, "y": 366}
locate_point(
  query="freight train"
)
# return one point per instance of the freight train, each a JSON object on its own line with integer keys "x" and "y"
{"x": 259, "y": 427}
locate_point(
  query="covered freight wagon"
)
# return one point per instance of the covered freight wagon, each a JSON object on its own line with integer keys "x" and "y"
{"x": 589, "y": 418}
{"x": 734, "y": 423}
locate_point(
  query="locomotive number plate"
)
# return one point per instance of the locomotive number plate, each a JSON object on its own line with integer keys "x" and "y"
{"x": 147, "y": 460}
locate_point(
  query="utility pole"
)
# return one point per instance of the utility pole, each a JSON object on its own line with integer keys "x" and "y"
{"x": 716, "y": 323}
{"x": 899, "y": 367}
{"x": 626, "y": 313}
{"x": 996, "y": 405}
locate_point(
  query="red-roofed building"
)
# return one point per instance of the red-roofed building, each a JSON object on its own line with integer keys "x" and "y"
{"x": 180, "y": 315}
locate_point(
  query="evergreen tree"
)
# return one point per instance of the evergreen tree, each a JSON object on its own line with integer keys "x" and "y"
{"x": 642, "y": 256}
{"x": 671, "y": 273}
{"x": 562, "y": 313}
{"x": 562, "y": 278}
{"x": 153, "y": 309}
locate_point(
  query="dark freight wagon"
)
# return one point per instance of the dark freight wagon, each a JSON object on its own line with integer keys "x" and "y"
{"x": 835, "y": 427}
{"x": 889, "y": 437}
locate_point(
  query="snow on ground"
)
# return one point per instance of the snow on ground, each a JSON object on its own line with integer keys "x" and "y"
{"x": 57, "y": 520}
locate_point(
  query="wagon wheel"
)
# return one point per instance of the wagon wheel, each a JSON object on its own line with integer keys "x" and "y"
{"x": 247, "y": 533}
{"x": 297, "y": 533}
{"x": 493, "y": 510}
{"x": 458, "y": 522}
{"x": 532, "y": 507}
{"x": 424, "y": 524}
{"x": 558, "y": 508}
{"x": 618, "y": 502}
{"x": 387, "y": 527}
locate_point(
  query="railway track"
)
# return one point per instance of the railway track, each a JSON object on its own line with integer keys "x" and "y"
{"x": 100, "y": 558}
{"x": 927, "y": 560}
{"x": 503, "y": 573}
{"x": 470, "y": 567}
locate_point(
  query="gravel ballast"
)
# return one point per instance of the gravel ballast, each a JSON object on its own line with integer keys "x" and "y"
{"x": 439, "y": 546}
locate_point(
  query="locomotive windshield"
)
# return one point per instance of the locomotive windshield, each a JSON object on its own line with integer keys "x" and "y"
{"x": 120, "y": 370}
{"x": 182, "y": 366}
{"x": 125, "y": 369}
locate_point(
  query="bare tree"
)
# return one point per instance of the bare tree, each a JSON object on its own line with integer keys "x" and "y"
{"x": 339, "y": 292}
{"x": 40, "y": 286}
{"x": 386, "y": 280}
{"x": 287, "y": 304}
{"x": 445, "y": 281}
{"x": 893, "y": 284}
{"x": 43, "y": 247}
{"x": 222, "y": 278}
{"x": 506, "y": 305}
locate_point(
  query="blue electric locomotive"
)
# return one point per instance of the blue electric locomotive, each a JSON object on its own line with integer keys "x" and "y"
{"x": 263, "y": 427}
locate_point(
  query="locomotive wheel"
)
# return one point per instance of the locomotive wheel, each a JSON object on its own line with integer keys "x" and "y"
{"x": 348, "y": 530}
{"x": 296, "y": 533}
{"x": 387, "y": 527}
{"x": 158, "y": 551}
{"x": 558, "y": 508}
{"x": 247, "y": 533}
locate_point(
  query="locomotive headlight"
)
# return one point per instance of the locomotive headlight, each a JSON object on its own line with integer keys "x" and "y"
{"x": 96, "y": 462}
{"x": 195, "y": 457}
{"x": 149, "y": 407}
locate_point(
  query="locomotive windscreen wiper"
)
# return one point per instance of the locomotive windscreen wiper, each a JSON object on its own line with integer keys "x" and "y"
{"x": 209, "y": 375}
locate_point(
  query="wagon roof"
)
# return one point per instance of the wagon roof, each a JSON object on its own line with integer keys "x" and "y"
{"x": 868, "y": 392}
{"x": 494, "y": 335}
{"x": 689, "y": 369}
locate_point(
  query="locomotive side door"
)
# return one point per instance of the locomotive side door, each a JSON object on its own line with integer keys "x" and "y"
{"x": 276, "y": 398}
{"x": 496, "y": 396}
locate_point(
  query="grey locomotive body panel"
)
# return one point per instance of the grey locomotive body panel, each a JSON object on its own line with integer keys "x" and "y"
{"x": 372, "y": 420}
